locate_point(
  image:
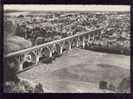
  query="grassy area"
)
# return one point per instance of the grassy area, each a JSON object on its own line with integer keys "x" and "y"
{"x": 83, "y": 67}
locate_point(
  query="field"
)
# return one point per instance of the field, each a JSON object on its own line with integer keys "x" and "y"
{"x": 76, "y": 71}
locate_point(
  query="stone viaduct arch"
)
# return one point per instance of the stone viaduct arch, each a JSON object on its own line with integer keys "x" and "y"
{"x": 33, "y": 54}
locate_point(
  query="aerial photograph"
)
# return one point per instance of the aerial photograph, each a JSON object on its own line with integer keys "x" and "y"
{"x": 66, "y": 48}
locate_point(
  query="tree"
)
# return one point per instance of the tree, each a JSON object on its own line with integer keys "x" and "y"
{"x": 14, "y": 43}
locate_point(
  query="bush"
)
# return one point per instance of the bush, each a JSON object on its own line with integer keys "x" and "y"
{"x": 23, "y": 86}
{"x": 103, "y": 85}
{"x": 38, "y": 88}
{"x": 124, "y": 85}
{"x": 111, "y": 87}
{"x": 47, "y": 60}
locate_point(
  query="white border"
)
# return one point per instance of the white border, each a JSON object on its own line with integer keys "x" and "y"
{"x": 42, "y": 7}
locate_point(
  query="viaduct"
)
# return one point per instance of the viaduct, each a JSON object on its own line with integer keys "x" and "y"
{"x": 33, "y": 54}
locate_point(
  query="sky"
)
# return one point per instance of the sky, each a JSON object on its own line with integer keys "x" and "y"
{"x": 45, "y": 7}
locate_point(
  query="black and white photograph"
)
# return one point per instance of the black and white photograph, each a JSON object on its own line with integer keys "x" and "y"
{"x": 66, "y": 48}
